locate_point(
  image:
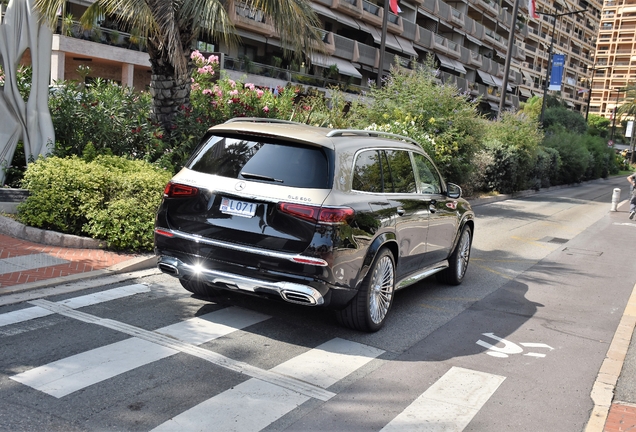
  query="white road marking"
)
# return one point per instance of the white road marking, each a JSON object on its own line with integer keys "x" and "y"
{"x": 449, "y": 404}
{"x": 28, "y": 262}
{"x": 74, "y": 303}
{"x": 70, "y": 374}
{"x": 254, "y": 404}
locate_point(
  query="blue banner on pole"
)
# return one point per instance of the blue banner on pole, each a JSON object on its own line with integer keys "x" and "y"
{"x": 556, "y": 74}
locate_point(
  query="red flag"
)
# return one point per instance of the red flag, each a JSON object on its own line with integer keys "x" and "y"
{"x": 393, "y": 5}
{"x": 532, "y": 9}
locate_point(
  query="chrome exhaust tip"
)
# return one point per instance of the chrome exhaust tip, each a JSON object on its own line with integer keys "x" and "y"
{"x": 298, "y": 298}
{"x": 168, "y": 269}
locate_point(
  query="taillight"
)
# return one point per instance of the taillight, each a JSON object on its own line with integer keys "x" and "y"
{"x": 317, "y": 214}
{"x": 177, "y": 190}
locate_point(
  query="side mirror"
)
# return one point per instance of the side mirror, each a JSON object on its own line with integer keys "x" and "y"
{"x": 454, "y": 191}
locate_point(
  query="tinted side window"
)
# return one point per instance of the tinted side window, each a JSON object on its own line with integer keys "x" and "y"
{"x": 401, "y": 171}
{"x": 289, "y": 165}
{"x": 367, "y": 172}
{"x": 430, "y": 182}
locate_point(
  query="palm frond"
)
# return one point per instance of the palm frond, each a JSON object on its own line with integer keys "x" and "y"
{"x": 49, "y": 9}
{"x": 296, "y": 24}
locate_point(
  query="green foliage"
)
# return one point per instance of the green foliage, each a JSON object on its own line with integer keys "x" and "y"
{"x": 532, "y": 107}
{"x": 437, "y": 110}
{"x": 562, "y": 117}
{"x": 598, "y": 125}
{"x": 513, "y": 143}
{"x": 602, "y": 159}
{"x": 546, "y": 169}
{"x": 114, "y": 119}
{"x": 573, "y": 154}
{"x": 110, "y": 198}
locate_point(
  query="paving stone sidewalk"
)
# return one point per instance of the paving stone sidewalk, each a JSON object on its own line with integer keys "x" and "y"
{"x": 23, "y": 262}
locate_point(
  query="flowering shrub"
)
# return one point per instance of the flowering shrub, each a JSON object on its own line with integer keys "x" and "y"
{"x": 220, "y": 99}
{"x": 215, "y": 99}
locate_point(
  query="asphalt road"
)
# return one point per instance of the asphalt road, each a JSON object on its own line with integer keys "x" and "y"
{"x": 518, "y": 346}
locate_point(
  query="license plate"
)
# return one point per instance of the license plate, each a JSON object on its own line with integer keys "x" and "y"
{"x": 237, "y": 208}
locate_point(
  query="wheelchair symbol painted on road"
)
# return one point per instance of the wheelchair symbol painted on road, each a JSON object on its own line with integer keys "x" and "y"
{"x": 510, "y": 348}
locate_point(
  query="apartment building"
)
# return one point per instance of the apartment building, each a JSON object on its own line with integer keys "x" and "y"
{"x": 615, "y": 65}
{"x": 467, "y": 38}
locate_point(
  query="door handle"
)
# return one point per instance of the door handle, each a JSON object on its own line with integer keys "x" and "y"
{"x": 400, "y": 211}
{"x": 432, "y": 206}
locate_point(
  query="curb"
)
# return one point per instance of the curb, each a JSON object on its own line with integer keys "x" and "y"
{"x": 17, "y": 230}
{"x": 603, "y": 389}
{"x": 132, "y": 265}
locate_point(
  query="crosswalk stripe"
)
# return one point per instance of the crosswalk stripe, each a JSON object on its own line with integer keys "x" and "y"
{"x": 254, "y": 404}
{"x": 74, "y": 373}
{"x": 70, "y": 374}
{"x": 449, "y": 404}
{"x": 249, "y": 406}
{"x": 27, "y": 314}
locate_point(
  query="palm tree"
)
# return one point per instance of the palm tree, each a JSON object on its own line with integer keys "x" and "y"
{"x": 171, "y": 27}
{"x": 628, "y": 108}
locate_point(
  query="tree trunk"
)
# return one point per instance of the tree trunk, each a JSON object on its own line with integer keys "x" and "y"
{"x": 170, "y": 91}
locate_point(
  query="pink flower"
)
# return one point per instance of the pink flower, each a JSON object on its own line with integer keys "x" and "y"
{"x": 266, "y": 109}
{"x": 195, "y": 87}
{"x": 234, "y": 93}
{"x": 207, "y": 92}
{"x": 249, "y": 86}
{"x": 213, "y": 59}
{"x": 232, "y": 83}
{"x": 259, "y": 93}
{"x": 229, "y": 101}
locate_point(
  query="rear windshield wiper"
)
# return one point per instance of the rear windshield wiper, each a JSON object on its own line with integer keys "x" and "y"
{"x": 260, "y": 177}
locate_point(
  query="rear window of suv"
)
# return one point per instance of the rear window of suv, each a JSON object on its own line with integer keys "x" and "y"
{"x": 272, "y": 162}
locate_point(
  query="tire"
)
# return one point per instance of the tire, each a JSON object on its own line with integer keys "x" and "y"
{"x": 198, "y": 288}
{"x": 458, "y": 261}
{"x": 369, "y": 308}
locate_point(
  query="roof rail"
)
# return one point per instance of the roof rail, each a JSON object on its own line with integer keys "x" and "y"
{"x": 260, "y": 120}
{"x": 342, "y": 132}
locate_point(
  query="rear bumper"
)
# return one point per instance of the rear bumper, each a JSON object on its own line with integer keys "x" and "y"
{"x": 289, "y": 291}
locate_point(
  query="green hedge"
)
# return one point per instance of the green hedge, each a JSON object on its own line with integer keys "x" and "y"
{"x": 110, "y": 198}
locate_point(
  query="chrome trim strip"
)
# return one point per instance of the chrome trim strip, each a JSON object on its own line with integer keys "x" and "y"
{"x": 243, "y": 283}
{"x": 264, "y": 252}
{"x": 410, "y": 280}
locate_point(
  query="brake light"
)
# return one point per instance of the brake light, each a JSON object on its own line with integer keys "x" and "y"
{"x": 317, "y": 214}
{"x": 177, "y": 190}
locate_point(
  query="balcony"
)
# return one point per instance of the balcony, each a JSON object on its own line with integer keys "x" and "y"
{"x": 252, "y": 19}
{"x": 454, "y": 49}
{"x": 372, "y": 13}
{"x": 367, "y": 55}
{"x": 440, "y": 43}
{"x": 457, "y": 17}
{"x": 476, "y": 59}
{"x": 426, "y": 39}
{"x": 394, "y": 23}
{"x": 344, "y": 47}
{"x": 349, "y": 7}
{"x": 488, "y": 6}
{"x": 271, "y": 76}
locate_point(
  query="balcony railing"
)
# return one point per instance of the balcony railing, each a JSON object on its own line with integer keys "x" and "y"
{"x": 371, "y": 8}
{"x": 241, "y": 65}
{"x": 101, "y": 35}
{"x": 250, "y": 13}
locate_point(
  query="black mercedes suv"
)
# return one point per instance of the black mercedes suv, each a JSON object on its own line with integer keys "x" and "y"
{"x": 313, "y": 216}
